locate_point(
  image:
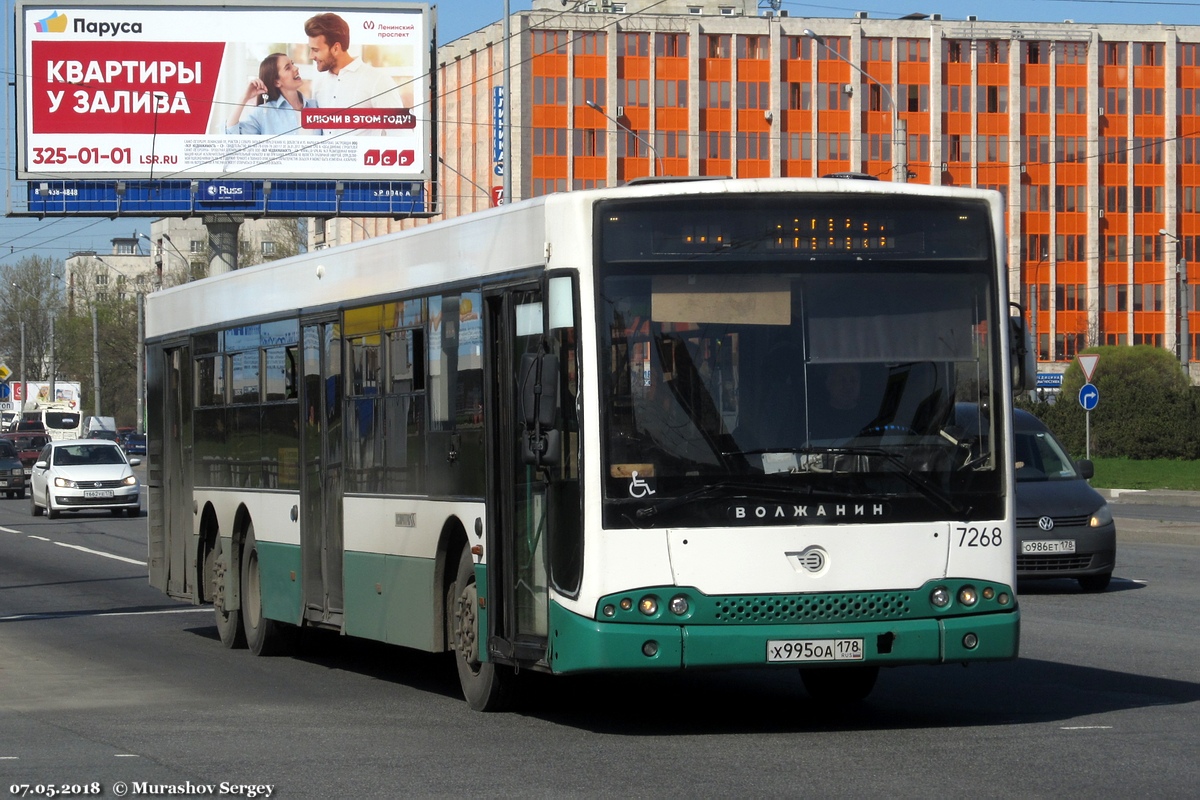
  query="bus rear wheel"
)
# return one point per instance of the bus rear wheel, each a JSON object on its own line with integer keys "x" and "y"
{"x": 264, "y": 637}
{"x": 835, "y": 686}
{"x": 229, "y": 623}
{"x": 485, "y": 684}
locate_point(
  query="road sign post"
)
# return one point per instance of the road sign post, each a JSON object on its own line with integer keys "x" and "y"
{"x": 1089, "y": 398}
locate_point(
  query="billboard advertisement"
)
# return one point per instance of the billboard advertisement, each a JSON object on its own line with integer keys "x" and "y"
{"x": 231, "y": 91}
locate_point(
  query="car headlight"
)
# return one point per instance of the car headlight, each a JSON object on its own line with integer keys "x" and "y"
{"x": 18, "y": 471}
{"x": 63, "y": 483}
{"x": 130, "y": 481}
{"x": 1102, "y": 517}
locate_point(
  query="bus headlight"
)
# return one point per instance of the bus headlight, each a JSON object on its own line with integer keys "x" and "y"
{"x": 648, "y": 605}
{"x": 940, "y": 597}
{"x": 678, "y": 605}
{"x": 967, "y": 596}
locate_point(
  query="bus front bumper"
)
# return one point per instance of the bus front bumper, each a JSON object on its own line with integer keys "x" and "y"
{"x": 578, "y": 644}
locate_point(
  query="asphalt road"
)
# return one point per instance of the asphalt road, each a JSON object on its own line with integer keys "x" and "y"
{"x": 105, "y": 683}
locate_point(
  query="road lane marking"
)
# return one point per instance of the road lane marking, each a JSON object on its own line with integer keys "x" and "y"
{"x": 101, "y": 553}
{"x": 9, "y": 530}
{"x": 1088, "y": 728}
{"x": 67, "y": 614}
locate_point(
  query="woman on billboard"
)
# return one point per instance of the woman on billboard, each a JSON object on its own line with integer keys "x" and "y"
{"x": 274, "y": 100}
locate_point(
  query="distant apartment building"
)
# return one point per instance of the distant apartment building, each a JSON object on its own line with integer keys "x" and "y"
{"x": 1089, "y": 130}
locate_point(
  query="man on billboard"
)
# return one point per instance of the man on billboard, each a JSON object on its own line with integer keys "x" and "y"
{"x": 343, "y": 80}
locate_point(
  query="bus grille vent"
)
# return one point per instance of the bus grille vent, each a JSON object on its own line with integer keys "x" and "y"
{"x": 813, "y": 607}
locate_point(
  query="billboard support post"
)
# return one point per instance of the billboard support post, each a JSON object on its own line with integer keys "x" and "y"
{"x": 222, "y": 243}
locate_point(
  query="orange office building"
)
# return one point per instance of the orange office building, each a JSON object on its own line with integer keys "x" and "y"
{"x": 1090, "y": 131}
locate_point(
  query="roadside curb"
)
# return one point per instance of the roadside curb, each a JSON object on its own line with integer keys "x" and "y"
{"x": 1151, "y": 497}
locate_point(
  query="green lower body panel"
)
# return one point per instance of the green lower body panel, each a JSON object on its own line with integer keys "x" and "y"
{"x": 390, "y": 599}
{"x": 279, "y": 571}
{"x": 579, "y": 644}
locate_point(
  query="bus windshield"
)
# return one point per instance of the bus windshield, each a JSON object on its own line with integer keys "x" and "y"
{"x": 751, "y": 385}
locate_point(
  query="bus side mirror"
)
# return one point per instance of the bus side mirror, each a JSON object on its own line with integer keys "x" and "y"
{"x": 541, "y": 442}
{"x": 1021, "y": 353}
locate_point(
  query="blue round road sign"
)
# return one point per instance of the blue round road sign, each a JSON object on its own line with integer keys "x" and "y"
{"x": 1089, "y": 396}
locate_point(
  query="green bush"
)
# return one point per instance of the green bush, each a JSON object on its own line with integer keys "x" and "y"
{"x": 1147, "y": 408}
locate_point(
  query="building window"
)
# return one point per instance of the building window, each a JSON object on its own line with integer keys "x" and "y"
{"x": 549, "y": 42}
{"x": 913, "y": 50}
{"x": 993, "y": 99}
{"x": 752, "y": 47}
{"x": 1037, "y": 52}
{"x": 839, "y": 45}
{"x": 1114, "y": 54}
{"x": 1070, "y": 100}
{"x": 753, "y": 95}
{"x": 1116, "y": 100}
{"x": 1071, "y": 52}
{"x": 268, "y": 248}
{"x": 957, "y": 98}
{"x": 992, "y": 51}
{"x": 591, "y": 89}
{"x": 1147, "y": 54}
{"x": 670, "y": 94}
{"x": 797, "y": 48}
{"x": 671, "y": 45}
{"x": 880, "y": 49}
{"x": 589, "y": 44}
{"x": 715, "y": 94}
{"x": 1147, "y": 101}
{"x": 956, "y": 52}
{"x": 1114, "y": 150}
{"x": 717, "y": 45}
{"x": 1036, "y": 149}
{"x": 1037, "y": 99}
{"x": 196, "y": 246}
{"x": 916, "y": 96}
{"x": 799, "y": 96}
{"x": 634, "y": 44}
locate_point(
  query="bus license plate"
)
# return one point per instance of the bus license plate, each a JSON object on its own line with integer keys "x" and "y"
{"x": 1051, "y": 546}
{"x": 97, "y": 494}
{"x": 815, "y": 650}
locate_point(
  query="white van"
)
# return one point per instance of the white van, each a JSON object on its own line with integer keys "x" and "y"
{"x": 99, "y": 428}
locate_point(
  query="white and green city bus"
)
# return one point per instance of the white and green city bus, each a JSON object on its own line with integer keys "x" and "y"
{"x": 676, "y": 425}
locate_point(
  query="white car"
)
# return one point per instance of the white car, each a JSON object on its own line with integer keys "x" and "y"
{"x": 82, "y": 474}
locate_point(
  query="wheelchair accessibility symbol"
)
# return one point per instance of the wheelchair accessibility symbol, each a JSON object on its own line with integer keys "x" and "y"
{"x": 638, "y": 486}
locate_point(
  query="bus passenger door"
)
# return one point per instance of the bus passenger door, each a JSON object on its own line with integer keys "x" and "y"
{"x": 172, "y": 539}
{"x": 321, "y": 541}
{"x": 516, "y": 492}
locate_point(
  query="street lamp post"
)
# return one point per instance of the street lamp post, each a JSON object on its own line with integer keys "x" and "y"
{"x": 24, "y": 374}
{"x": 899, "y": 126}
{"x": 141, "y": 349}
{"x": 654, "y": 153}
{"x": 1181, "y": 302}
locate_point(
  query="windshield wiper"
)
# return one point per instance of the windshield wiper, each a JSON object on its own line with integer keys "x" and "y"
{"x": 906, "y": 473}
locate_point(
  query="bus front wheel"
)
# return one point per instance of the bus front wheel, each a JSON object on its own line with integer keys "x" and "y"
{"x": 833, "y": 686}
{"x": 484, "y": 683}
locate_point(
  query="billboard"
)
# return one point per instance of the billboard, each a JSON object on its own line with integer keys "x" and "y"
{"x": 232, "y": 91}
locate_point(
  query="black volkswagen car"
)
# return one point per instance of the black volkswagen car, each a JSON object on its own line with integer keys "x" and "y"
{"x": 1064, "y": 527}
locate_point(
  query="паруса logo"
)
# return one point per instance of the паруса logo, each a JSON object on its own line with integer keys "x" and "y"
{"x": 55, "y": 23}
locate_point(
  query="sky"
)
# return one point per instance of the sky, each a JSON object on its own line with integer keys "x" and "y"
{"x": 59, "y": 237}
